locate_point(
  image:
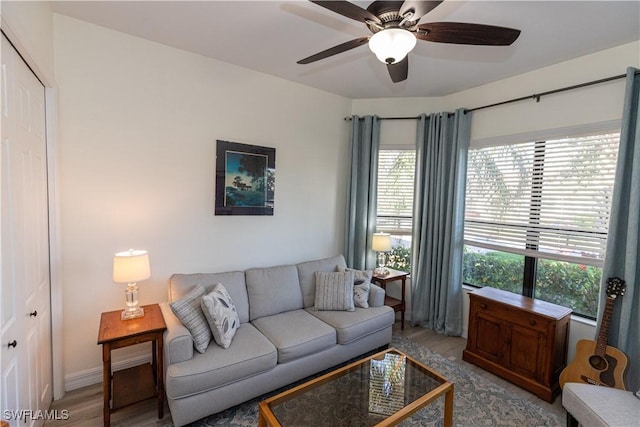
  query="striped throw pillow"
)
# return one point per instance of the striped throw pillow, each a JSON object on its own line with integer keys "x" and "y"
{"x": 334, "y": 291}
{"x": 188, "y": 310}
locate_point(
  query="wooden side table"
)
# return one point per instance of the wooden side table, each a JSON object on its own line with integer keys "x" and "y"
{"x": 139, "y": 383}
{"x": 396, "y": 304}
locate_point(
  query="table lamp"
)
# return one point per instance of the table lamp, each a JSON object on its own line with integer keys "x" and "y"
{"x": 130, "y": 267}
{"x": 381, "y": 243}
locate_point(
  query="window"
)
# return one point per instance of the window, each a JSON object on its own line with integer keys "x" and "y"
{"x": 537, "y": 215}
{"x": 395, "y": 203}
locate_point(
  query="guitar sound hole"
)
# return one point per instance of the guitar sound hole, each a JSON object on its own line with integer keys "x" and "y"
{"x": 598, "y": 362}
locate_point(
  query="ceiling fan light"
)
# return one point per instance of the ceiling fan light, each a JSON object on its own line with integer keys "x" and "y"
{"x": 392, "y": 44}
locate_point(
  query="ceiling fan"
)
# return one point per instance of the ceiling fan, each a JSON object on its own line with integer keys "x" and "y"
{"x": 395, "y": 29}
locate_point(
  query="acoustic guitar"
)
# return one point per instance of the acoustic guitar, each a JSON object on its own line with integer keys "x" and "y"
{"x": 596, "y": 362}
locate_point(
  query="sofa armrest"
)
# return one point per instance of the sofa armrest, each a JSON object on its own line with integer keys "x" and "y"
{"x": 376, "y": 296}
{"x": 178, "y": 343}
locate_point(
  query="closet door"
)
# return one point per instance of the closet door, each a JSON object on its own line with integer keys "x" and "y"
{"x": 25, "y": 312}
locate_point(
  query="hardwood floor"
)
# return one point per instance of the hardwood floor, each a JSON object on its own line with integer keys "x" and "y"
{"x": 85, "y": 404}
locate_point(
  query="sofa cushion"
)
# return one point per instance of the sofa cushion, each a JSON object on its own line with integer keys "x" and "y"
{"x": 189, "y": 311}
{"x": 249, "y": 354}
{"x": 334, "y": 291}
{"x": 233, "y": 281}
{"x": 296, "y": 334}
{"x": 273, "y": 290}
{"x": 350, "y": 326}
{"x": 307, "y": 270}
{"x": 221, "y": 315}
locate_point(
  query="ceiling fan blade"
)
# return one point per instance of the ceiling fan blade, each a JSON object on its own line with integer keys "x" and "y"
{"x": 399, "y": 71}
{"x": 463, "y": 33}
{"x": 334, "y": 50}
{"x": 349, "y": 10}
{"x": 418, "y": 8}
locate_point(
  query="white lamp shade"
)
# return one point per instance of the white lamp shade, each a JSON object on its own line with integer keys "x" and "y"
{"x": 392, "y": 45}
{"x": 131, "y": 266}
{"x": 381, "y": 242}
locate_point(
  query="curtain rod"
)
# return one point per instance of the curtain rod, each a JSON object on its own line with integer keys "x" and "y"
{"x": 535, "y": 96}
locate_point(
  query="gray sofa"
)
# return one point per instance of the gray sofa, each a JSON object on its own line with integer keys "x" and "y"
{"x": 281, "y": 338}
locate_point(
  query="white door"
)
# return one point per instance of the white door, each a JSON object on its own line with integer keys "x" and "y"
{"x": 25, "y": 313}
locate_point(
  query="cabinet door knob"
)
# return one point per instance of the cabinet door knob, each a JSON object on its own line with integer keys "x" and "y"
{"x": 532, "y": 322}
{"x": 13, "y": 344}
{"x": 34, "y": 313}
{"x": 483, "y": 305}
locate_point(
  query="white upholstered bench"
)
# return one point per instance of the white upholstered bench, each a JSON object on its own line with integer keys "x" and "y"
{"x": 595, "y": 406}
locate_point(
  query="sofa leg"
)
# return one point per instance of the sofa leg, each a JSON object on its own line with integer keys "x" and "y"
{"x": 571, "y": 421}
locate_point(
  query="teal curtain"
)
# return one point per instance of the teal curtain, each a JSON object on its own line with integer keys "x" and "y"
{"x": 362, "y": 192}
{"x": 438, "y": 221}
{"x": 622, "y": 257}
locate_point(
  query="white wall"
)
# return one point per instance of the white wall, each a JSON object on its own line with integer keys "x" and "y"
{"x": 138, "y": 124}
{"x": 587, "y": 105}
{"x": 582, "y": 106}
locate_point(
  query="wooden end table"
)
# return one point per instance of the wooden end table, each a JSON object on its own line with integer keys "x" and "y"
{"x": 395, "y": 303}
{"x": 139, "y": 383}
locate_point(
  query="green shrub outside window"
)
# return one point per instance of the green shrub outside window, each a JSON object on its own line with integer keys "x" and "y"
{"x": 399, "y": 258}
{"x": 564, "y": 283}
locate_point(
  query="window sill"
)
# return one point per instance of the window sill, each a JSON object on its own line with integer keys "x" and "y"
{"x": 469, "y": 288}
{"x": 583, "y": 320}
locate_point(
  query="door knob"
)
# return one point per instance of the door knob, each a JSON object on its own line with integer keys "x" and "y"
{"x": 13, "y": 343}
{"x": 34, "y": 313}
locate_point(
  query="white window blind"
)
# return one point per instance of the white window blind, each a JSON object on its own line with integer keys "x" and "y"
{"x": 395, "y": 191}
{"x": 547, "y": 199}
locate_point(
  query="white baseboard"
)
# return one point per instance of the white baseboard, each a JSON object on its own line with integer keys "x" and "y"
{"x": 94, "y": 375}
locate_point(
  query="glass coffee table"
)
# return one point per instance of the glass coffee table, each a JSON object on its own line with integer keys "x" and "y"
{"x": 379, "y": 390}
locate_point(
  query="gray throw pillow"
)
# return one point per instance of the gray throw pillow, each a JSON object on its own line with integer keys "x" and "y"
{"x": 188, "y": 310}
{"x": 361, "y": 286}
{"x": 221, "y": 315}
{"x": 334, "y": 291}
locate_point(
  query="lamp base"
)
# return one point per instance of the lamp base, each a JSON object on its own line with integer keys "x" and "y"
{"x": 132, "y": 314}
{"x": 381, "y": 271}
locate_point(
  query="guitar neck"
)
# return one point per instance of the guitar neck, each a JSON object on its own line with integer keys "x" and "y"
{"x": 601, "y": 342}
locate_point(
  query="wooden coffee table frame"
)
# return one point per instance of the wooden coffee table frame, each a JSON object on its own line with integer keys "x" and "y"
{"x": 266, "y": 416}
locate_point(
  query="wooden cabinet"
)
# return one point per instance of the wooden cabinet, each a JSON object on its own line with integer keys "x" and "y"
{"x": 520, "y": 339}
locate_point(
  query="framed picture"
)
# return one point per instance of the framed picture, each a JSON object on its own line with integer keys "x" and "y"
{"x": 245, "y": 179}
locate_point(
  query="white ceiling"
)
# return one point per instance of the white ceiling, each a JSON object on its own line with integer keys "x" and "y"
{"x": 270, "y": 36}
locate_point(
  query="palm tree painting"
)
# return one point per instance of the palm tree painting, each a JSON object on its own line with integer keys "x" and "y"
{"x": 245, "y": 179}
